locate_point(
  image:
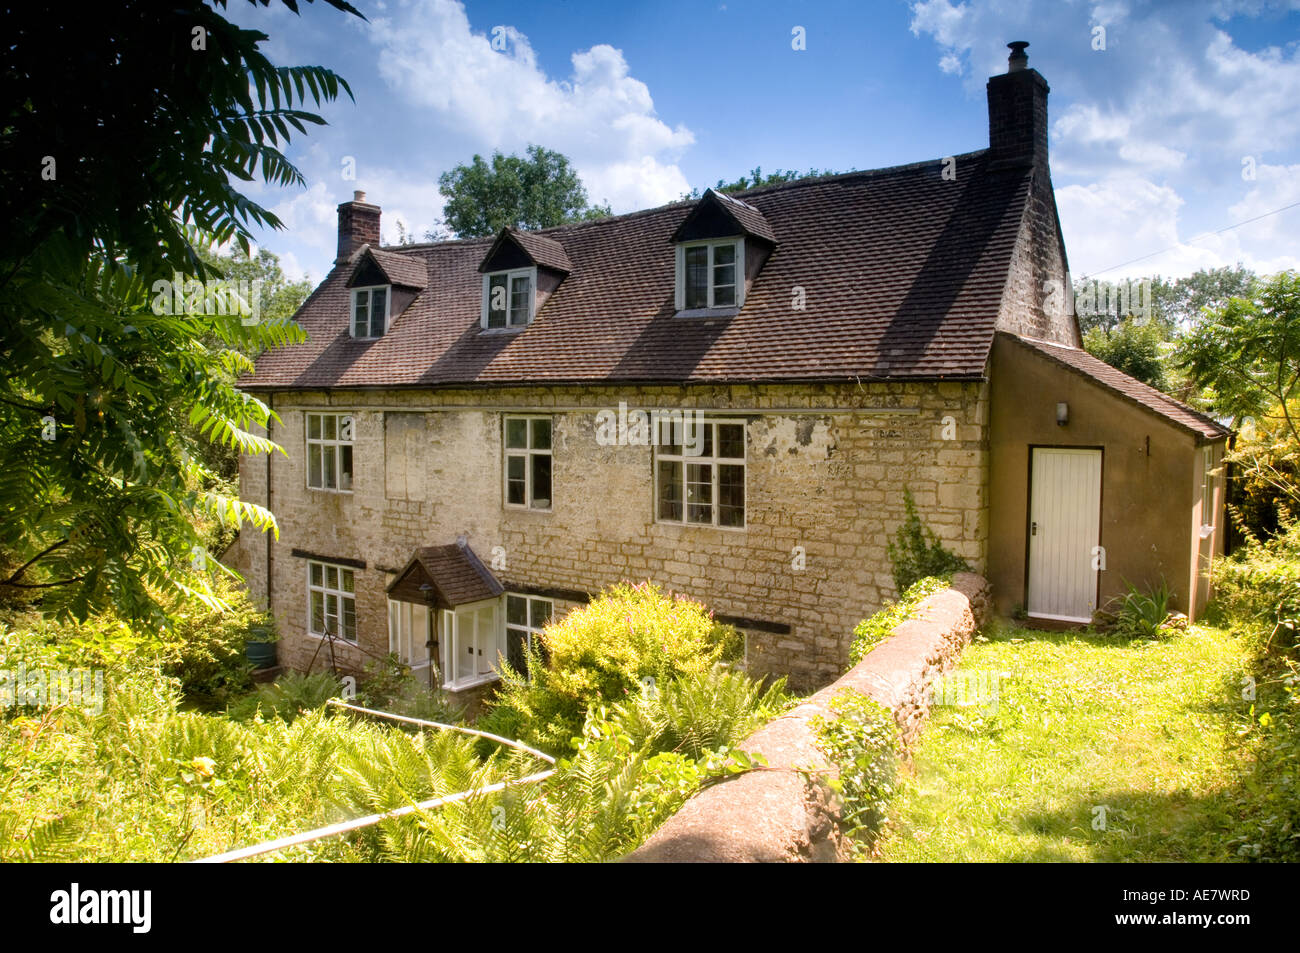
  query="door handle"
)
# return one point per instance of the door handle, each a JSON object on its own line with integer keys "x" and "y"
{"x": 1033, "y": 529}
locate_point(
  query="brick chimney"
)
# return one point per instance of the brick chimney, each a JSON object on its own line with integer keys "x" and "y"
{"x": 1018, "y": 112}
{"x": 358, "y": 225}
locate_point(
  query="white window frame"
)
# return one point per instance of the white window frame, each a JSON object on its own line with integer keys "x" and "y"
{"x": 330, "y": 446}
{"x": 338, "y": 592}
{"x": 686, "y": 459}
{"x": 452, "y": 642}
{"x": 510, "y": 276}
{"x": 352, "y": 314}
{"x": 1207, "y": 491}
{"x": 712, "y": 244}
{"x": 402, "y": 614}
{"x": 527, "y": 628}
{"x": 527, "y": 453}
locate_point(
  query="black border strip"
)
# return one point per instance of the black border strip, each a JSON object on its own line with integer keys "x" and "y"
{"x": 574, "y": 595}
{"x": 336, "y": 560}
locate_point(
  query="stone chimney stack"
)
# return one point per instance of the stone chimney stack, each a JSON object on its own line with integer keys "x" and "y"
{"x": 358, "y": 225}
{"x": 1018, "y": 112}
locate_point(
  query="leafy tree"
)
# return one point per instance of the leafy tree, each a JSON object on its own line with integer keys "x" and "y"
{"x": 278, "y": 300}
{"x": 1134, "y": 348}
{"x": 117, "y": 163}
{"x": 1175, "y": 303}
{"x": 1247, "y": 353}
{"x": 1182, "y": 303}
{"x": 538, "y": 191}
{"x": 756, "y": 179}
{"x": 1245, "y": 357}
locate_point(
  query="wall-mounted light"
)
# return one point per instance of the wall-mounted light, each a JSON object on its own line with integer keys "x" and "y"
{"x": 1062, "y": 414}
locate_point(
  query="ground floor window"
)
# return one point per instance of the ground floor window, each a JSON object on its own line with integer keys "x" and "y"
{"x": 474, "y": 640}
{"x": 331, "y": 600}
{"x": 526, "y": 616}
{"x": 410, "y": 630}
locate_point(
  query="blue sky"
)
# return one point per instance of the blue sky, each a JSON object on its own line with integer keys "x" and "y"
{"x": 1187, "y": 121}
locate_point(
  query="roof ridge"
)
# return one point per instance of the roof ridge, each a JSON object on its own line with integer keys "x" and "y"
{"x": 762, "y": 190}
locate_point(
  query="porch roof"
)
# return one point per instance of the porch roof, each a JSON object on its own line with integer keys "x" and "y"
{"x": 453, "y": 575}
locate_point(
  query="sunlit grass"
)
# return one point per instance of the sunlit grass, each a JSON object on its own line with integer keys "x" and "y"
{"x": 1083, "y": 727}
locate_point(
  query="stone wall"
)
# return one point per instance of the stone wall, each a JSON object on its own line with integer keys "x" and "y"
{"x": 778, "y": 814}
{"x": 825, "y": 472}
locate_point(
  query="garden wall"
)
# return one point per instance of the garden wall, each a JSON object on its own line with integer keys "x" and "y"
{"x": 776, "y": 814}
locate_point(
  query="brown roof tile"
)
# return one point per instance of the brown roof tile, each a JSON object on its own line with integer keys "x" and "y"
{"x": 903, "y": 274}
{"x": 404, "y": 270}
{"x": 454, "y": 574}
{"x": 543, "y": 250}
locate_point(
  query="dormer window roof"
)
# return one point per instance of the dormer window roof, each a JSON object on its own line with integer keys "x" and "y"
{"x": 720, "y": 246}
{"x": 378, "y": 267}
{"x": 717, "y": 215}
{"x": 515, "y": 249}
{"x": 371, "y": 284}
{"x": 514, "y": 267}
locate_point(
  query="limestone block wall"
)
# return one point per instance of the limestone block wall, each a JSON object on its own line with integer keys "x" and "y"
{"x": 826, "y": 466}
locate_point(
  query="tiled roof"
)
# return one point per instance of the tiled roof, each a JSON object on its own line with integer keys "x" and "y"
{"x": 455, "y": 575}
{"x": 902, "y": 274}
{"x": 1130, "y": 388}
{"x": 404, "y": 270}
{"x": 542, "y": 250}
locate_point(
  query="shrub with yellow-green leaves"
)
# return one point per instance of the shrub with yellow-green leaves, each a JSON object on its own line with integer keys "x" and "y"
{"x": 601, "y": 654}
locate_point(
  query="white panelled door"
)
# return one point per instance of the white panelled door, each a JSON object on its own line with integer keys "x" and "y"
{"x": 1064, "y": 522}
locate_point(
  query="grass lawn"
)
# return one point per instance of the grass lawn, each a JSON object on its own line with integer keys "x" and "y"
{"x": 1082, "y": 727}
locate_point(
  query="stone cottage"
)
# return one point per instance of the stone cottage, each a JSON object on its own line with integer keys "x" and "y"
{"x": 725, "y": 396}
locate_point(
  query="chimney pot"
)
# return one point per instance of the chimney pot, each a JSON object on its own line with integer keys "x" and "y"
{"x": 1018, "y": 59}
{"x": 358, "y": 196}
{"x": 1018, "y": 111}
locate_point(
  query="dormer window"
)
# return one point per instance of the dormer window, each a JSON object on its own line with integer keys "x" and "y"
{"x": 708, "y": 274}
{"x": 508, "y": 298}
{"x": 721, "y": 247}
{"x": 369, "y": 311}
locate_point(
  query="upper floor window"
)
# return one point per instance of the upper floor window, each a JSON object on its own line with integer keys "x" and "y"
{"x": 332, "y": 601}
{"x": 710, "y": 275}
{"x": 700, "y": 477}
{"x": 508, "y": 298}
{"x": 369, "y": 311}
{"x": 329, "y": 451}
{"x": 528, "y": 462}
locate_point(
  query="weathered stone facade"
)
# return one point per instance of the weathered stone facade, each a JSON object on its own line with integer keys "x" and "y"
{"x": 826, "y": 466}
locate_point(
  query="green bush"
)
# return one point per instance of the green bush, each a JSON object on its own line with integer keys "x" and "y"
{"x": 602, "y": 653}
{"x": 146, "y": 781}
{"x": 1259, "y": 587}
{"x": 389, "y": 685}
{"x": 699, "y": 712}
{"x": 862, "y": 742}
{"x": 205, "y": 651}
{"x": 873, "y": 630}
{"x": 287, "y": 697}
{"x": 1141, "y": 615}
{"x": 915, "y": 551}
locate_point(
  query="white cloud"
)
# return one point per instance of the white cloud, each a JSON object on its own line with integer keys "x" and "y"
{"x": 1148, "y": 136}
{"x": 600, "y": 116}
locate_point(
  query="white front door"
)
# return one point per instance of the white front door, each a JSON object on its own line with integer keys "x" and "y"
{"x": 1064, "y": 523}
